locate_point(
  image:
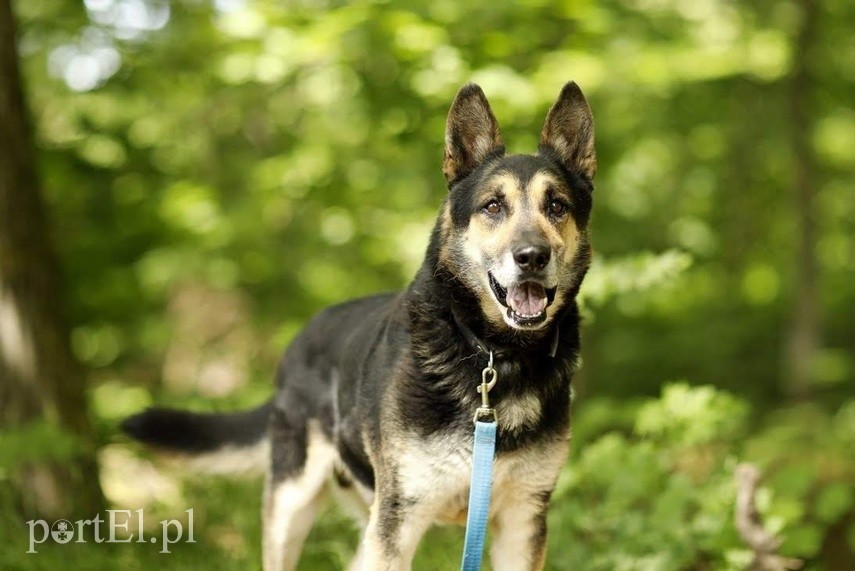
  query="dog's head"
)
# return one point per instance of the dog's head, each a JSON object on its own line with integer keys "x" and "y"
{"x": 514, "y": 229}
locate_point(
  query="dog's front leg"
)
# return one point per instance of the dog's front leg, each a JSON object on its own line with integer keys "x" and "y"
{"x": 394, "y": 530}
{"x": 519, "y": 534}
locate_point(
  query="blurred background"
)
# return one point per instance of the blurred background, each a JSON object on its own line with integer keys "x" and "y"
{"x": 186, "y": 182}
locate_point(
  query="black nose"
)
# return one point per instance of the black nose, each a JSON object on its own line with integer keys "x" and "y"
{"x": 532, "y": 258}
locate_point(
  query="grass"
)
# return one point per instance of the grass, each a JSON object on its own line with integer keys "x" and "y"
{"x": 227, "y": 530}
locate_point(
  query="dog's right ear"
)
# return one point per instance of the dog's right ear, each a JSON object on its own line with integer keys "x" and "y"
{"x": 569, "y": 131}
{"x": 471, "y": 133}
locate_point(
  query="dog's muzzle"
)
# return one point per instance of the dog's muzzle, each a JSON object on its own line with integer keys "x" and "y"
{"x": 526, "y": 301}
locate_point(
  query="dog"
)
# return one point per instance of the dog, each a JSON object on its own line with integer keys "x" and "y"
{"x": 375, "y": 397}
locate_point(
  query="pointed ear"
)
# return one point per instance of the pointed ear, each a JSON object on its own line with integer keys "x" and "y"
{"x": 569, "y": 131}
{"x": 471, "y": 133}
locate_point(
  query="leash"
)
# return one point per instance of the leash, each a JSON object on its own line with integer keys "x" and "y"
{"x": 481, "y": 483}
{"x": 483, "y": 453}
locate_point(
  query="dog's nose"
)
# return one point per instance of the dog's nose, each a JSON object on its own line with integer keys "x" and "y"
{"x": 532, "y": 258}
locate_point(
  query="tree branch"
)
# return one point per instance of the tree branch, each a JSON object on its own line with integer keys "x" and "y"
{"x": 750, "y": 524}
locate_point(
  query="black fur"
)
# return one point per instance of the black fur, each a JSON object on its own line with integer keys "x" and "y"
{"x": 445, "y": 369}
{"x": 389, "y": 366}
{"x": 523, "y": 167}
{"x": 406, "y": 347}
{"x": 197, "y": 432}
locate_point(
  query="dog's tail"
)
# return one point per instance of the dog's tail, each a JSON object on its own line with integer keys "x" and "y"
{"x": 230, "y": 443}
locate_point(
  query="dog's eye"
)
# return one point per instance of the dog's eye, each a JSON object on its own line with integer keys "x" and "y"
{"x": 557, "y": 208}
{"x": 493, "y": 207}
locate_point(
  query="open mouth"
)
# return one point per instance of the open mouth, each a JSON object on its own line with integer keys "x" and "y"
{"x": 526, "y": 302}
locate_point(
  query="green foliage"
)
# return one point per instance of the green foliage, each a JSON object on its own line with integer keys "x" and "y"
{"x": 652, "y": 498}
{"x": 807, "y": 453}
{"x": 633, "y": 496}
{"x": 33, "y": 442}
{"x": 294, "y": 155}
{"x": 280, "y": 157}
{"x": 692, "y": 416}
{"x": 660, "y": 495}
{"x": 640, "y": 274}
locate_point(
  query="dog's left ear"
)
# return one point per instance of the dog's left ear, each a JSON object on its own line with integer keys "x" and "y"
{"x": 471, "y": 133}
{"x": 569, "y": 131}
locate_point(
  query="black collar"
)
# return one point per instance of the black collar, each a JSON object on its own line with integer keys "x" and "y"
{"x": 482, "y": 347}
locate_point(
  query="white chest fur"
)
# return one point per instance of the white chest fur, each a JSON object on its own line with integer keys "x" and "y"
{"x": 436, "y": 474}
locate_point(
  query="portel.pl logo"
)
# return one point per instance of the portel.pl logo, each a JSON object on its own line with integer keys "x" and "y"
{"x": 63, "y": 531}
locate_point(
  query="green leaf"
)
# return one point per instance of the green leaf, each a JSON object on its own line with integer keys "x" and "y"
{"x": 36, "y": 441}
{"x": 834, "y": 501}
{"x": 802, "y": 540}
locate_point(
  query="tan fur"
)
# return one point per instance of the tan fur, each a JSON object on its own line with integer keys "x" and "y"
{"x": 563, "y": 238}
{"x": 519, "y": 413}
{"x": 424, "y": 479}
{"x": 445, "y": 225}
{"x": 518, "y": 499}
{"x": 290, "y": 505}
{"x": 437, "y": 471}
{"x": 486, "y": 241}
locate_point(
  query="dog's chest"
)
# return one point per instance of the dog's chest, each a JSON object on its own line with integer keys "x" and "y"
{"x": 435, "y": 473}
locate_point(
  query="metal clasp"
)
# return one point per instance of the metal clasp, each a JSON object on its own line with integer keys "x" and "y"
{"x": 485, "y": 410}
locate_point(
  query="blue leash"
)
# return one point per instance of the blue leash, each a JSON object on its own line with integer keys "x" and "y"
{"x": 479, "y": 495}
{"x": 480, "y": 486}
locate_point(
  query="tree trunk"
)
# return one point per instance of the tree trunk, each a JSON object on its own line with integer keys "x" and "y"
{"x": 39, "y": 378}
{"x": 804, "y": 335}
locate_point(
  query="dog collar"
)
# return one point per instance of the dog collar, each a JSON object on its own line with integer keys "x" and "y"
{"x": 485, "y": 348}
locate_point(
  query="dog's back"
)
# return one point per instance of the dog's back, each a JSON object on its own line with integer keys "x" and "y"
{"x": 377, "y": 395}
{"x": 338, "y": 338}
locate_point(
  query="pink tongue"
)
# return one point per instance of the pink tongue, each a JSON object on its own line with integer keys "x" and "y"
{"x": 527, "y": 298}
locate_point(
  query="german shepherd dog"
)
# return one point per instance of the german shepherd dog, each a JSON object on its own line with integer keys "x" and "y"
{"x": 375, "y": 398}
